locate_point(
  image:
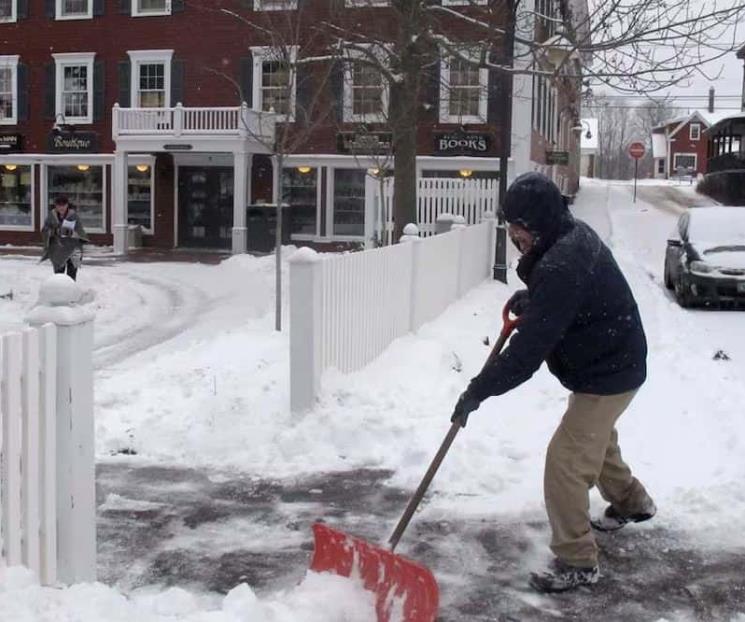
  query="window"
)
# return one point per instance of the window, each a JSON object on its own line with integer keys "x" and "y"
{"x": 365, "y": 92}
{"x": 661, "y": 166}
{"x": 143, "y": 8}
{"x": 463, "y": 90}
{"x": 75, "y": 87}
{"x": 274, "y": 81}
{"x": 301, "y": 194}
{"x": 695, "y": 131}
{"x": 15, "y": 197}
{"x": 349, "y": 202}
{"x": 140, "y": 195}
{"x": 74, "y": 9}
{"x": 8, "y": 90}
{"x": 275, "y": 5}
{"x": 82, "y": 184}
{"x": 8, "y": 11}
{"x": 151, "y": 78}
{"x": 684, "y": 161}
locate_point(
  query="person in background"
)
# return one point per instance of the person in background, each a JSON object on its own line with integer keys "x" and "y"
{"x": 64, "y": 236}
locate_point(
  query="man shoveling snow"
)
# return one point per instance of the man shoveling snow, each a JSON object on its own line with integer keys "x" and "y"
{"x": 579, "y": 315}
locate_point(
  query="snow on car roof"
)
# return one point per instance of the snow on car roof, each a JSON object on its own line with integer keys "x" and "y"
{"x": 721, "y": 225}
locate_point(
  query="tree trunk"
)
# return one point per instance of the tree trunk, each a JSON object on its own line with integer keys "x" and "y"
{"x": 404, "y": 178}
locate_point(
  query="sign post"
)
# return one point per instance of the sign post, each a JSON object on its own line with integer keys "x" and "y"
{"x": 636, "y": 151}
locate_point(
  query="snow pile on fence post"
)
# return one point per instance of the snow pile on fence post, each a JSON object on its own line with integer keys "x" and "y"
{"x": 345, "y": 309}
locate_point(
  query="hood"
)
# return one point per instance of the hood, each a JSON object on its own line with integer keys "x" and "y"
{"x": 536, "y": 203}
{"x": 732, "y": 258}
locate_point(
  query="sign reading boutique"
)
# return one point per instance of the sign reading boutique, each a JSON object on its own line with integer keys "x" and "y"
{"x": 462, "y": 144}
{"x": 73, "y": 142}
{"x": 11, "y": 143}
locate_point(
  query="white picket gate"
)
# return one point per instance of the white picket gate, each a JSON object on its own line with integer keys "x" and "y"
{"x": 345, "y": 309}
{"x": 47, "y": 468}
{"x": 469, "y": 198}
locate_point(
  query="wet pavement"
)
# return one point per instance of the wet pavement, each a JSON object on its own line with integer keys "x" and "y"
{"x": 209, "y": 532}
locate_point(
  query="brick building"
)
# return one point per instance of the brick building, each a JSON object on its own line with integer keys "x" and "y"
{"x": 160, "y": 115}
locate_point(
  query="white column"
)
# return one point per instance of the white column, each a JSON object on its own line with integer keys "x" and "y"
{"x": 522, "y": 95}
{"x": 241, "y": 192}
{"x": 119, "y": 175}
{"x": 75, "y": 468}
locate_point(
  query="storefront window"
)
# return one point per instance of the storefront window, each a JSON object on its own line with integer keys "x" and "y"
{"x": 349, "y": 202}
{"x": 83, "y": 186}
{"x": 301, "y": 194}
{"x": 140, "y": 193}
{"x": 15, "y": 196}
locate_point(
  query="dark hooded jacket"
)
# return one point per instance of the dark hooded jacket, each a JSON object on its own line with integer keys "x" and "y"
{"x": 581, "y": 317}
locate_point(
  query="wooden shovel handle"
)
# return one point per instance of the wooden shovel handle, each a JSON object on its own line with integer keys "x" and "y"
{"x": 508, "y": 325}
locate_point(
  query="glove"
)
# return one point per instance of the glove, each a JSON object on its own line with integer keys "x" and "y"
{"x": 518, "y": 302}
{"x": 465, "y": 406}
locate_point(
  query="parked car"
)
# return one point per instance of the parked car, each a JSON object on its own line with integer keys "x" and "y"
{"x": 705, "y": 257}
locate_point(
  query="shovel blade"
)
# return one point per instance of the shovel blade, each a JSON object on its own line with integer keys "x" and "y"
{"x": 404, "y": 590}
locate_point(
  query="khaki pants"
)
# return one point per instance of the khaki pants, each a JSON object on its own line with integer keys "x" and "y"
{"x": 584, "y": 453}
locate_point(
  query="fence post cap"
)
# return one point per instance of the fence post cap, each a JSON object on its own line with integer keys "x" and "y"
{"x": 304, "y": 255}
{"x": 445, "y": 217}
{"x": 411, "y": 229}
{"x": 459, "y": 220}
{"x": 59, "y": 298}
{"x": 488, "y": 215}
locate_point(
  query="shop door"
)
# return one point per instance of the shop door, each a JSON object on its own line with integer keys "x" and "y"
{"x": 205, "y": 196}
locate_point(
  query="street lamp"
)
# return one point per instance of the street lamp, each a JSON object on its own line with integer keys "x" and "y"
{"x": 579, "y": 128}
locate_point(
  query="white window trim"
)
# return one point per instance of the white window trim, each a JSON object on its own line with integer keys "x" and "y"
{"x": 687, "y": 155}
{"x": 264, "y": 53}
{"x": 59, "y": 16}
{"x": 12, "y": 62}
{"x": 13, "y": 14}
{"x": 445, "y": 116}
{"x": 275, "y": 5}
{"x": 150, "y": 161}
{"x": 74, "y": 59}
{"x": 356, "y": 4}
{"x": 348, "y": 94}
{"x": 32, "y": 226}
{"x": 70, "y": 162}
{"x": 138, "y": 13}
{"x": 690, "y": 131}
{"x": 145, "y": 57}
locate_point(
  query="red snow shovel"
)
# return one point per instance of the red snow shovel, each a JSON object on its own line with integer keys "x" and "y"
{"x": 400, "y": 584}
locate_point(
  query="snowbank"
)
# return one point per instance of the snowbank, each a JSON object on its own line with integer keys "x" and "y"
{"x": 319, "y": 598}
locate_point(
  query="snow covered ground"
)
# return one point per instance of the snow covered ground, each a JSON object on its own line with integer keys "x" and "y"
{"x": 212, "y": 393}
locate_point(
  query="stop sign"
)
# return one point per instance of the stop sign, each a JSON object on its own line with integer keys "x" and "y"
{"x": 637, "y": 150}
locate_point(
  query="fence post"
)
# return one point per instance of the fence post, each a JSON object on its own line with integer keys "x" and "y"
{"x": 459, "y": 229}
{"x": 305, "y": 328}
{"x": 490, "y": 217}
{"x": 75, "y": 466}
{"x": 411, "y": 237}
{"x": 444, "y": 223}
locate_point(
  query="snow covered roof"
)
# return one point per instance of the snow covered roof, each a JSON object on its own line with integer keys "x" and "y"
{"x": 703, "y": 116}
{"x": 728, "y": 117}
{"x": 589, "y": 145}
{"x": 659, "y": 145}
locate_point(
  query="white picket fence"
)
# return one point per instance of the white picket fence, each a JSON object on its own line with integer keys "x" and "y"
{"x": 469, "y": 198}
{"x": 346, "y": 309}
{"x": 28, "y": 389}
{"x": 47, "y": 476}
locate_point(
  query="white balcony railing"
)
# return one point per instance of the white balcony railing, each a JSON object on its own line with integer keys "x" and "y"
{"x": 180, "y": 121}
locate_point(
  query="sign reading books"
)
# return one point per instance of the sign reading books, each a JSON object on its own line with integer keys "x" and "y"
{"x": 462, "y": 143}
{"x": 73, "y": 142}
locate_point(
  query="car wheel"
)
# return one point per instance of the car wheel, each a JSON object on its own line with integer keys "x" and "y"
{"x": 666, "y": 277}
{"x": 683, "y": 295}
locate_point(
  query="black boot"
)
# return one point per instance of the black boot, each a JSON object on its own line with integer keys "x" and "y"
{"x": 561, "y": 577}
{"x": 613, "y": 520}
